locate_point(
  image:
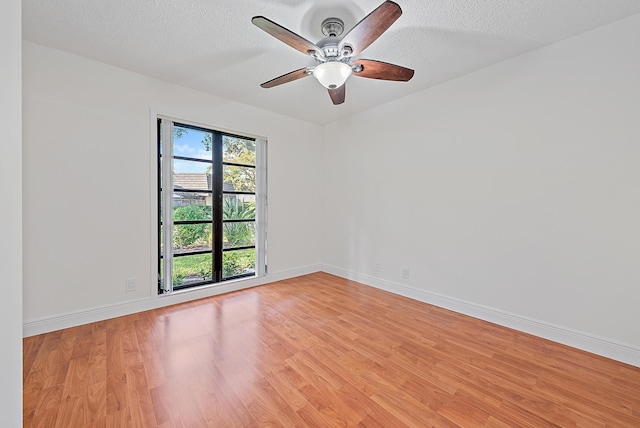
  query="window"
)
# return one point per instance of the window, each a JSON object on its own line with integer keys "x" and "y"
{"x": 211, "y": 206}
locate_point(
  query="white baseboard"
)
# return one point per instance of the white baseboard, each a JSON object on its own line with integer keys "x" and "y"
{"x": 72, "y": 319}
{"x": 597, "y": 345}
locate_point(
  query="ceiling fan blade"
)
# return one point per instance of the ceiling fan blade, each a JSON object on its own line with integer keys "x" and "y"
{"x": 371, "y": 27}
{"x": 287, "y": 36}
{"x": 337, "y": 95}
{"x": 382, "y": 70}
{"x": 286, "y": 78}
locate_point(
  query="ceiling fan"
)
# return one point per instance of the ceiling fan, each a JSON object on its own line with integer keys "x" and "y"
{"x": 334, "y": 55}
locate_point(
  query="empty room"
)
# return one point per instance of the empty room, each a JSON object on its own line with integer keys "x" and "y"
{"x": 320, "y": 213}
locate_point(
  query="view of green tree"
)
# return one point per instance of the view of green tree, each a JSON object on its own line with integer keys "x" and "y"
{"x": 237, "y": 150}
{"x": 178, "y": 132}
{"x": 240, "y": 151}
{"x": 191, "y": 235}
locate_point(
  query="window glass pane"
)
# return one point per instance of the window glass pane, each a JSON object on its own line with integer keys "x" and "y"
{"x": 190, "y": 269}
{"x": 238, "y": 178}
{"x": 238, "y": 150}
{"x": 191, "y": 206}
{"x": 191, "y": 175}
{"x": 240, "y": 262}
{"x": 192, "y": 143}
{"x": 239, "y": 207}
{"x": 191, "y": 237}
{"x": 240, "y": 234}
{"x": 181, "y": 166}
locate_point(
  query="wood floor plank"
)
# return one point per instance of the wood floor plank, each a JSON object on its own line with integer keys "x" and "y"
{"x": 48, "y": 404}
{"x": 31, "y": 346}
{"x": 95, "y": 402}
{"x": 316, "y": 351}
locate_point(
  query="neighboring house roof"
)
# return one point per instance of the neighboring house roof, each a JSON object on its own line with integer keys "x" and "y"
{"x": 197, "y": 181}
{"x": 193, "y": 181}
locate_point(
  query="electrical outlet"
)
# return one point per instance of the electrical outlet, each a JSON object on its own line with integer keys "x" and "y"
{"x": 405, "y": 272}
{"x": 376, "y": 266}
{"x": 130, "y": 285}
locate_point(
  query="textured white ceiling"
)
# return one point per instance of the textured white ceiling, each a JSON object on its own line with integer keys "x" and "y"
{"x": 212, "y": 46}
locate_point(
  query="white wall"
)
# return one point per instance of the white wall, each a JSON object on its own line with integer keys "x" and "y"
{"x": 11, "y": 215}
{"x": 514, "y": 189}
{"x": 88, "y": 184}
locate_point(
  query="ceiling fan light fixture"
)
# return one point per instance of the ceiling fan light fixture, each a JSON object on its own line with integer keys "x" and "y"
{"x": 332, "y": 74}
{"x": 334, "y": 56}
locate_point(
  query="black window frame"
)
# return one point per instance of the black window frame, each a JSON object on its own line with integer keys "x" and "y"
{"x": 217, "y": 216}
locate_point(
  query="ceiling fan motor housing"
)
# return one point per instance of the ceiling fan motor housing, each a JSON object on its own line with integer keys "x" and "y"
{"x": 332, "y": 27}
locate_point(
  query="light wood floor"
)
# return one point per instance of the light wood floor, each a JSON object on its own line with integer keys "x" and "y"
{"x": 317, "y": 351}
